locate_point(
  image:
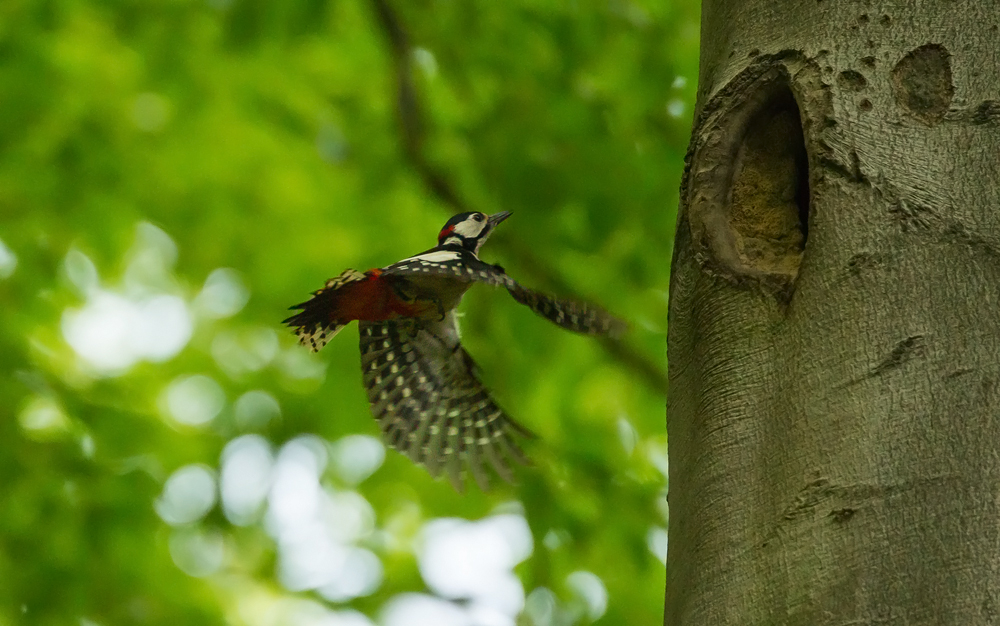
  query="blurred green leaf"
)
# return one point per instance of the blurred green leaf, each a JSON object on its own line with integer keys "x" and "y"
{"x": 210, "y": 162}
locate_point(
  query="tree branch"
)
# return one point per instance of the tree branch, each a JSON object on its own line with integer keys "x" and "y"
{"x": 411, "y": 120}
{"x": 409, "y": 108}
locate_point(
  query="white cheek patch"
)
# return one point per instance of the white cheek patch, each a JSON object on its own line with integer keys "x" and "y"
{"x": 469, "y": 228}
{"x": 441, "y": 256}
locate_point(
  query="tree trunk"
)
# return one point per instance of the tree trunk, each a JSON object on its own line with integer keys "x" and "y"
{"x": 834, "y": 338}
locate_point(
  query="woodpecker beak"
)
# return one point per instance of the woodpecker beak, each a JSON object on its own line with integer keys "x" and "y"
{"x": 496, "y": 218}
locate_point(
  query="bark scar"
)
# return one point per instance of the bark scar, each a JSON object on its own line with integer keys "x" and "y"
{"x": 810, "y": 497}
{"x": 903, "y": 352}
{"x": 846, "y": 501}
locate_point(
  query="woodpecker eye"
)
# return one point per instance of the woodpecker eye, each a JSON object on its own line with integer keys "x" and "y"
{"x": 478, "y": 217}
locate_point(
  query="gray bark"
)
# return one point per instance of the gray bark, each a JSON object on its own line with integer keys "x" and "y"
{"x": 834, "y": 338}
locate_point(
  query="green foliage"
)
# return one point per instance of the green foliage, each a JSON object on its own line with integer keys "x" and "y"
{"x": 146, "y": 144}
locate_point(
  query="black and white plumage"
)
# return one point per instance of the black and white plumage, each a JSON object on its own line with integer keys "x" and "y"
{"x": 426, "y": 395}
{"x": 422, "y": 385}
{"x": 579, "y": 317}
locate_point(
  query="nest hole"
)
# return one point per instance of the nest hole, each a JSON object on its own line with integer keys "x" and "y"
{"x": 769, "y": 193}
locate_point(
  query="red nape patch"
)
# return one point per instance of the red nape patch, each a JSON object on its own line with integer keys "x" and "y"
{"x": 446, "y": 231}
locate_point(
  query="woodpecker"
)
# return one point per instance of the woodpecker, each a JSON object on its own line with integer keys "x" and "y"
{"x": 423, "y": 387}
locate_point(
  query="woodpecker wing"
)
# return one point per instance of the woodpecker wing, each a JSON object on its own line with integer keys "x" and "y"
{"x": 580, "y": 317}
{"x": 317, "y": 324}
{"x": 427, "y": 398}
{"x": 451, "y": 262}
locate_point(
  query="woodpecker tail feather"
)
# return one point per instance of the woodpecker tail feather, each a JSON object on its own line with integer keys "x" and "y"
{"x": 316, "y": 325}
{"x": 429, "y": 402}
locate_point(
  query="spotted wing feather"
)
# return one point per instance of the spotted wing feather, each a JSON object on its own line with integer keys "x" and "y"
{"x": 429, "y": 402}
{"x": 458, "y": 264}
{"x": 315, "y": 326}
{"x": 580, "y": 317}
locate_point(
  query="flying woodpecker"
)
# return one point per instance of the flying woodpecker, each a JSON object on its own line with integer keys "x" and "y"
{"x": 423, "y": 386}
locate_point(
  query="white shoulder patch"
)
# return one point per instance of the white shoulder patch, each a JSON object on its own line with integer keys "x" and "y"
{"x": 441, "y": 256}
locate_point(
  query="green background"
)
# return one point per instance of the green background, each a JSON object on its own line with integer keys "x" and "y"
{"x": 152, "y": 142}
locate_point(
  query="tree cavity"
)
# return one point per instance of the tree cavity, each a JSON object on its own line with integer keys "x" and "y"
{"x": 769, "y": 193}
{"x": 747, "y": 184}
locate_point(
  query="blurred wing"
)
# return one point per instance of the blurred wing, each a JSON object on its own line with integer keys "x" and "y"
{"x": 317, "y": 324}
{"x": 579, "y": 317}
{"x": 429, "y": 402}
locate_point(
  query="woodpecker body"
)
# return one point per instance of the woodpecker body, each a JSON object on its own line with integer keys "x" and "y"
{"x": 422, "y": 385}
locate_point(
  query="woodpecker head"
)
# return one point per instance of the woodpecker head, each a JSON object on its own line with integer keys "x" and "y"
{"x": 470, "y": 230}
